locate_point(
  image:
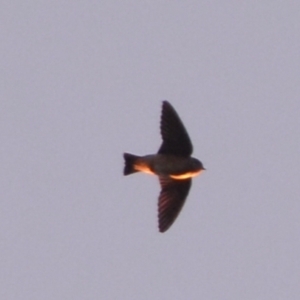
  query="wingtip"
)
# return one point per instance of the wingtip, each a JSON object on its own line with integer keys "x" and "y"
{"x": 163, "y": 229}
{"x": 166, "y": 102}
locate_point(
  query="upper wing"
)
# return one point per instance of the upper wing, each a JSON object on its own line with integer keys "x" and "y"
{"x": 171, "y": 199}
{"x": 176, "y": 140}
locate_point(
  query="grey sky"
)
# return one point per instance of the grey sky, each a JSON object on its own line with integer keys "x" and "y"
{"x": 82, "y": 82}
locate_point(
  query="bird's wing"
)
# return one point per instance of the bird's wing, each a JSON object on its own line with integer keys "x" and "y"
{"x": 171, "y": 199}
{"x": 176, "y": 140}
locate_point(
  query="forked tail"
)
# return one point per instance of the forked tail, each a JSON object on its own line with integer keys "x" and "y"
{"x": 129, "y": 163}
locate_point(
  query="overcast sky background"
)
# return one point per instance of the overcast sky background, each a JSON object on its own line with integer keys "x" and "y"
{"x": 82, "y": 82}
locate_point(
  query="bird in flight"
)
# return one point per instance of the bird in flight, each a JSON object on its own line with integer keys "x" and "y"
{"x": 173, "y": 165}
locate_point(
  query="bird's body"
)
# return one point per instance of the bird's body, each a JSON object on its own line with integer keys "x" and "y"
{"x": 173, "y": 165}
{"x": 167, "y": 165}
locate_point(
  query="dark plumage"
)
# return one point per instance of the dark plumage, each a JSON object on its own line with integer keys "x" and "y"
{"x": 173, "y": 165}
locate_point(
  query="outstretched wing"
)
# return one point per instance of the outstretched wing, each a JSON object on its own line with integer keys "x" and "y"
{"x": 176, "y": 140}
{"x": 171, "y": 199}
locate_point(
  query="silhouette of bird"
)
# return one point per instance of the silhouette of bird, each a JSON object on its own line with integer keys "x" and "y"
{"x": 173, "y": 165}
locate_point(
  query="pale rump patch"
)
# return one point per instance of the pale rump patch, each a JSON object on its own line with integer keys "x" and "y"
{"x": 186, "y": 175}
{"x": 143, "y": 168}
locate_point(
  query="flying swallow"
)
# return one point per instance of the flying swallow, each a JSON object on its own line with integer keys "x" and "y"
{"x": 173, "y": 165}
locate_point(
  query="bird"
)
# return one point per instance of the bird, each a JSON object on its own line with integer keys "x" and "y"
{"x": 173, "y": 164}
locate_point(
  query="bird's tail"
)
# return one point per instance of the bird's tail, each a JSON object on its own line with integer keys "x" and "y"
{"x": 129, "y": 163}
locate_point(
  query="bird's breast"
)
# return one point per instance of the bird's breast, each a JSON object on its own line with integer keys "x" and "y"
{"x": 186, "y": 175}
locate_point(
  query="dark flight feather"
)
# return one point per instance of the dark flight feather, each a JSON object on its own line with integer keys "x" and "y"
{"x": 176, "y": 140}
{"x": 171, "y": 199}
